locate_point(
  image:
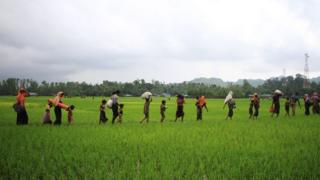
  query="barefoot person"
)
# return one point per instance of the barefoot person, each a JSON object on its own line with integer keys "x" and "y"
{"x": 70, "y": 114}
{"x": 20, "y": 108}
{"x": 146, "y": 109}
{"x": 163, "y": 108}
{"x": 120, "y": 117}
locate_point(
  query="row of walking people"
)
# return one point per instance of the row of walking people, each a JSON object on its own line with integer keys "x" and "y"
{"x": 117, "y": 108}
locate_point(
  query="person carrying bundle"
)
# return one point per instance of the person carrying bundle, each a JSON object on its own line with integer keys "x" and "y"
{"x": 231, "y": 105}
{"x": 114, "y": 98}
{"x": 276, "y": 102}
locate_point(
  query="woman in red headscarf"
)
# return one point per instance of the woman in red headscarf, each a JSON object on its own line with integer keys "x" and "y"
{"x": 20, "y": 108}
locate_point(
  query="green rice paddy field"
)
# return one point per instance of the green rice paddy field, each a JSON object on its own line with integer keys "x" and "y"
{"x": 267, "y": 148}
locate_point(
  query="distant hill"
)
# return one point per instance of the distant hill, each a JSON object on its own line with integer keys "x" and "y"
{"x": 253, "y": 82}
{"x": 220, "y": 82}
{"x": 209, "y": 81}
{"x": 316, "y": 79}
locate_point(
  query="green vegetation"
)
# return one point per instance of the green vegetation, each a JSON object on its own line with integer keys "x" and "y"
{"x": 289, "y": 85}
{"x": 282, "y": 148}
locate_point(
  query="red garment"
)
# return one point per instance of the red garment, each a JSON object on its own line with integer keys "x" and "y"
{"x": 20, "y": 99}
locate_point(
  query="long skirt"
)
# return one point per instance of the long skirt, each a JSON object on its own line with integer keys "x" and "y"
{"x": 199, "y": 113}
{"x": 22, "y": 117}
{"x": 276, "y": 109}
{"x": 58, "y": 114}
{"x": 103, "y": 117}
{"x": 256, "y": 111}
{"x": 179, "y": 112}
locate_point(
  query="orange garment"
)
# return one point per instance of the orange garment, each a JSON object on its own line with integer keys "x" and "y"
{"x": 63, "y": 106}
{"x": 202, "y": 101}
{"x": 20, "y": 99}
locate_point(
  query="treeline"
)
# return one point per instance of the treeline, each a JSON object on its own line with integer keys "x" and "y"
{"x": 288, "y": 85}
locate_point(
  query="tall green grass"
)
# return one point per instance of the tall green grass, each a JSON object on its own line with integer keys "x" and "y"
{"x": 267, "y": 148}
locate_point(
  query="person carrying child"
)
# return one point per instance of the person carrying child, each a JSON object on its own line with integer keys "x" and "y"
{"x": 46, "y": 117}
{"x": 146, "y": 110}
{"x": 103, "y": 118}
{"x": 287, "y": 106}
{"x": 70, "y": 114}
{"x": 163, "y": 108}
{"x": 120, "y": 113}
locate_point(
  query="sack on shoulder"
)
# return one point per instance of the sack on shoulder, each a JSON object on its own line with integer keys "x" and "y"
{"x": 109, "y": 103}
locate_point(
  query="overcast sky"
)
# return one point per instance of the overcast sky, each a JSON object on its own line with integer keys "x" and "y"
{"x": 166, "y": 40}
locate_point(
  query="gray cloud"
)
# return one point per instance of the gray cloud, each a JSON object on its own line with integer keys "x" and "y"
{"x": 118, "y": 40}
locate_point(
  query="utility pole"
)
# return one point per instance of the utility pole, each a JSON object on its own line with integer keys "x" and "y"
{"x": 306, "y": 83}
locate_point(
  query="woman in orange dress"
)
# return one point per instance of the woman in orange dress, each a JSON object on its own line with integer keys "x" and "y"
{"x": 22, "y": 116}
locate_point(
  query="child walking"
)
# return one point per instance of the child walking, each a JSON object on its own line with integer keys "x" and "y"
{"x": 46, "y": 117}
{"x": 251, "y": 109}
{"x": 287, "y": 106}
{"x": 163, "y": 108}
{"x": 103, "y": 118}
{"x": 120, "y": 113}
{"x": 70, "y": 114}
